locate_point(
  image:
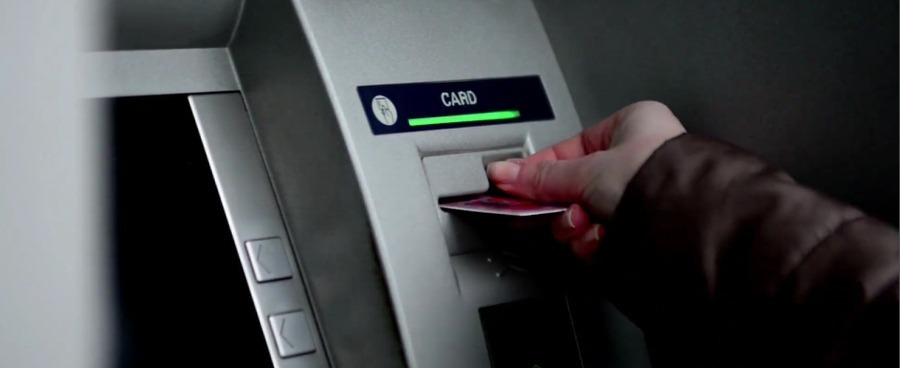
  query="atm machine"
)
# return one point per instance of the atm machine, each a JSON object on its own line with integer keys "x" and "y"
{"x": 320, "y": 137}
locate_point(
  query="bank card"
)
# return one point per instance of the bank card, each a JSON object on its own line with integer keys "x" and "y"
{"x": 497, "y": 205}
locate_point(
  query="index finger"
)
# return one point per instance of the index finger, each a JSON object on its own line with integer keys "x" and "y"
{"x": 593, "y": 139}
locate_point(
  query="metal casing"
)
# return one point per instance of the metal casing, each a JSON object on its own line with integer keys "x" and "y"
{"x": 325, "y": 163}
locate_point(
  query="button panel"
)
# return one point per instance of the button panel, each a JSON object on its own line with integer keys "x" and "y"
{"x": 261, "y": 240}
{"x": 291, "y": 331}
{"x": 269, "y": 259}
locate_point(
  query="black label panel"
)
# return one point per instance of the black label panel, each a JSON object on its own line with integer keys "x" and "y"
{"x": 398, "y": 108}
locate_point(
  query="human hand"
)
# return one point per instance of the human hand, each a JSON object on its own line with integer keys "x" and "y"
{"x": 590, "y": 170}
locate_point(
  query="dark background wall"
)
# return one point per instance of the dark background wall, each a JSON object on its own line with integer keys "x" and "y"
{"x": 809, "y": 85}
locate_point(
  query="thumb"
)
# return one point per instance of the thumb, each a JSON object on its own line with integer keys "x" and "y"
{"x": 544, "y": 181}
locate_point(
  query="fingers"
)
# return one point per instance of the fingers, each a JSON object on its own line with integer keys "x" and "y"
{"x": 591, "y": 170}
{"x": 649, "y": 117}
{"x": 594, "y": 139}
{"x": 575, "y": 229}
{"x": 586, "y": 244}
{"x": 548, "y": 181}
{"x": 572, "y": 223}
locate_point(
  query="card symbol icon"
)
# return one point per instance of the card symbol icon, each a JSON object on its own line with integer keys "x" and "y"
{"x": 384, "y": 110}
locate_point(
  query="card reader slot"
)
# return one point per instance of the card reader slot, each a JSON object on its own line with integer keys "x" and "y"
{"x": 495, "y": 259}
{"x": 463, "y": 174}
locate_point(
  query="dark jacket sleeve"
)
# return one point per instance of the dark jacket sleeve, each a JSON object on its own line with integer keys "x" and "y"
{"x": 724, "y": 261}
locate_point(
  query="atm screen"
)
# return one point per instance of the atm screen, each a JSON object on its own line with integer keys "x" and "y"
{"x": 179, "y": 289}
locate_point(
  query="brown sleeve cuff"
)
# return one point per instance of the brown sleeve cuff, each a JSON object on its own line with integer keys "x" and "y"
{"x": 708, "y": 248}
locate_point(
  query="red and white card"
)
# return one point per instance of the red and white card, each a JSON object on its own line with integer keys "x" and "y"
{"x": 506, "y": 206}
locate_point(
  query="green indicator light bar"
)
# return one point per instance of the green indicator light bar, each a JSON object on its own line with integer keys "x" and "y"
{"x": 465, "y": 118}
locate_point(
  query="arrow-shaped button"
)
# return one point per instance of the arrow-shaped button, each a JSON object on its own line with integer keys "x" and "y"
{"x": 269, "y": 259}
{"x": 292, "y": 334}
{"x": 259, "y": 261}
{"x": 281, "y": 334}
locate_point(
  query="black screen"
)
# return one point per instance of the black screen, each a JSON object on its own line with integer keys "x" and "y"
{"x": 180, "y": 291}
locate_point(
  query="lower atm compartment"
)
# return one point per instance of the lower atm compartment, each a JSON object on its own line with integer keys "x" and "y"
{"x": 532, "y": 333}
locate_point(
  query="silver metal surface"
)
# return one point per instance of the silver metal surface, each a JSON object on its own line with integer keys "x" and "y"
{"x": 318, "y": 193}
{"x": 171, "y": 24}
{"x": 268, "y": 258}
{"x": 155, "y": 72}
{"x": 362, "y": 43}
{"x": 252, "y": 212}
{"x": 292, "y": 335}
{"x": 486, "y": 279}
{"x": 55, "y": 262}
{"x": 354, "y": 43}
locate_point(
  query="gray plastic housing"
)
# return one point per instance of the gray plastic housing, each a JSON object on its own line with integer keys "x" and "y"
{"x": 253, "y": 216}
{"x": 328, "y": 169}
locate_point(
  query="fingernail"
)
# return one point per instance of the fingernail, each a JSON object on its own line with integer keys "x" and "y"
{"x": 515, "y": 160}
{"x": 574, "y": 217}
{"x": 596, "y": 234}
{"x": 504, "y": 172}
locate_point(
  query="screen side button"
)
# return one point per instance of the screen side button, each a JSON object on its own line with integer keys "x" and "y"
{"x": 291, "y": 331}
{"x": 269, "y": 260}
